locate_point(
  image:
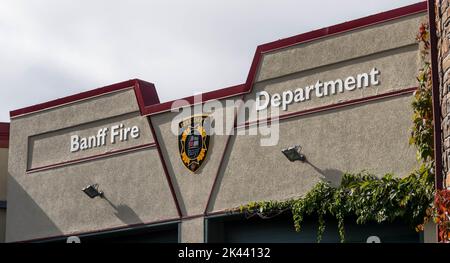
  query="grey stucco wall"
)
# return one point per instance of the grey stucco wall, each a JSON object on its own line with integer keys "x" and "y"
{"x": 192, "y": 230}
{"x": 3, "y": 172}
{"x": 3, "y": 179}
{"x": 53, "y": 147}
{"x": 107, "y": 106}
{"x": 192, "y": 189}
{"x": 398, "y": 69}
{"x": 339, "y": 48}
{"x": 50, "y": 202}
{"x": 370, "y": 135}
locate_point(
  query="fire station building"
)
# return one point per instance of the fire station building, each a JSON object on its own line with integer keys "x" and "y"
{"x": 106, "y": 165}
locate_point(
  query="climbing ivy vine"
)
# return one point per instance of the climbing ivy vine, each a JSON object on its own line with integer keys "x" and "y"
{"x": 363, "y": 196}
{"x": 367, "y": 197}
{"x": 422, "y": 135}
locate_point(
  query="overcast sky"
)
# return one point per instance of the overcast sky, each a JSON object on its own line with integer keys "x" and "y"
{"x": 55, "y": 48}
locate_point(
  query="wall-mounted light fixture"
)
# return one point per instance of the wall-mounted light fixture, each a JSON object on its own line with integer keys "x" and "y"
{"x": 92, "y": 191}
{"x": 293, "y": 153}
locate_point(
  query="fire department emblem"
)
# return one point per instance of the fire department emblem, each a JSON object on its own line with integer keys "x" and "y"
{"x": 193, "y": 140}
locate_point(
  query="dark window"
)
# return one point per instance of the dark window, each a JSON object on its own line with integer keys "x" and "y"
{"x": 237, "y": 228}
{"x": 167, "y": 233}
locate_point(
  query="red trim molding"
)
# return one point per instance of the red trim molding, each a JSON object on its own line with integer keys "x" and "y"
{"x": 346, "y": 26}
{"x": 295, "y": 40}
{"x": 332, "y": 30}
{"x": 145, "y": 92}
{"x": 221, "y": 212}
{"x": 166, "y": 171}
{"x": 211, "y": 214}
{"x": 90, "y": 158}
{"x": 147, "y": 96}
{"x": 193, "y": 217}
{"x": 208, "y": 96}
{"x": 219, "y": 168}
{"x": 4, "y": 135}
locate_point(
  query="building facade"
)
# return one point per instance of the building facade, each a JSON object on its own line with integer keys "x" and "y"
{"x": 4, "y": 142}
{"x": 342, "y": 93}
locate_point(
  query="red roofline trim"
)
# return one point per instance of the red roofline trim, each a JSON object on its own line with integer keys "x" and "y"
{"x": 4, "y": 135}
{"x": 291, "y": 41}
{"x": 147, "y": 96}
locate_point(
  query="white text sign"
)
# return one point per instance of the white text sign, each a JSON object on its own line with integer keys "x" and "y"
{"x": 119, "y": 133}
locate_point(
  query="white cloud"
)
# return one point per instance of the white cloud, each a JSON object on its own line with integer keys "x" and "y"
{"x": 50, "y": 49}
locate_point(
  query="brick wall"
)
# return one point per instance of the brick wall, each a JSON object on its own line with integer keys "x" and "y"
{"x": 443, "y": 35}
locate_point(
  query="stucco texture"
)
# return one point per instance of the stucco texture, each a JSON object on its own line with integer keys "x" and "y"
{"x": 370, "y": 136}
{"x": 54, "y": 147}
{"x": 3, "y": 172}
{"x": 50, "y": 203}
{"x": 3, "y": 179}
{"x": 398, "y": 70}
{"x": 339, "y": 48}
{"x": 192, "y": 230}
{"x": 192, "y": 189}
